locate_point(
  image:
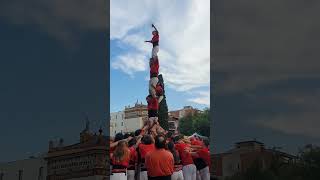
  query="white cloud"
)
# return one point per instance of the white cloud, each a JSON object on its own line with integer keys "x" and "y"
{"x": 204, "y": 98}
{"x": 184, "y": 27}
{"x": 130, "y": 63}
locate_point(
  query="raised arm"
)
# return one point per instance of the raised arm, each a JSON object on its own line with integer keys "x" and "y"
{"x": 155, "y": 28}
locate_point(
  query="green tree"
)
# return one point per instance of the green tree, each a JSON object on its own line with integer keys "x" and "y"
{"x": 186, "y": 125}
{"x": 163, "y": 114}
{"x": 199, "y": 122}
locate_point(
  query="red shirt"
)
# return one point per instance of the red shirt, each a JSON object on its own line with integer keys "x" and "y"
{"x": 124, "y": 162}
{"x": 204, "y": 154}
{"x": 154, "y": 67}
{"x": 152, "y": 103}
{"x": 155, "y": 40}
{"x": 184, "y": 153}
{"x": 159, "y": 90}
{"x": 145, "y": 148}
{"x": 159, "y": 162}
{"x": 132, "y": 155}
{"x": 197, "y": 142}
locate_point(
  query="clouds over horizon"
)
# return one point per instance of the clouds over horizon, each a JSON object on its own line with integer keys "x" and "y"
{"x": 184, "y": 28}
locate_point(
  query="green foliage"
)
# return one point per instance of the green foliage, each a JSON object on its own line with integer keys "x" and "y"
{"x": 199, "y": 122}
{"x": 163, "y": 114}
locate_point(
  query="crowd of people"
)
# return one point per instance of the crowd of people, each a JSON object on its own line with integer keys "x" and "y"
{"x": 152, "y": 153}
{"x": 143, "y": 156}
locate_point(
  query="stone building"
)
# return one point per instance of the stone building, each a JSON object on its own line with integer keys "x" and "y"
{"x": 86, "y": 160}
{"x": 134, "y": 117}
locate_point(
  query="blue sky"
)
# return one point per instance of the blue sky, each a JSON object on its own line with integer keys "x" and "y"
{"x": 184, "y": 58}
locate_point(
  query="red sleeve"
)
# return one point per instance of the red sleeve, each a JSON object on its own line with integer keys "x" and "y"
{"x": 155, "y": 38}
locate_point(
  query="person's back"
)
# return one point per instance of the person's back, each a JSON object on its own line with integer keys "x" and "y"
{"x": 160, "y": 162}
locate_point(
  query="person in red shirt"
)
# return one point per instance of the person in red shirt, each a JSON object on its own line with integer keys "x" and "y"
{"x": 154, "y": 67}
{"x": 160, "y": 162}
{"x": 146, "y": 146}
{"x": 133, "y": 143}
{"x": 178, "y": 174}
{"x": 120, "y": 161}
{"x": 189, "y": 169}
{"x": 203, "y": 161}
{"x": 153, "y": 106}
{"x": 155, "y": 42}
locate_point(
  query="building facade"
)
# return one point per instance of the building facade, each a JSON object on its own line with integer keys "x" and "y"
{"x": 175, "y": 116}
{"x": 135, "y": 117}
{"x": 243, "y": 156}
{"x": 34, "y": 168}
{"x": 129, "y": 120}
{"x": 86, "y": 160}
{"x": 117, "y": 123}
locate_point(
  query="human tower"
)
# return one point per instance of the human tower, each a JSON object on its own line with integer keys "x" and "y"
{"x": 156, "y": 87}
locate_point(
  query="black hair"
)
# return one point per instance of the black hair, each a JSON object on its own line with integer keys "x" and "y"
{"x": 160, "y": 142}
{"x": 206, "y": 142}
{"x": 118, "y": 137}
{"x": 137, "y": 132}
{"x": 171, "y": 148}
{"x": 169, "y": 134}
{"x": 132, "y": 142}
{"x": 146, "y": 139}
{"x": 126, "y": 136}
{"x": 176, "y": 139}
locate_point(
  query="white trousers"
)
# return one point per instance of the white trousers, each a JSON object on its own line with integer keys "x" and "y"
{"x": 118, "y": 176}
{"x": 130, "y": 175}
{"x": 152, "y": 84}
{"x": 143, "y": 175}
{"x": 189, "y": 172}
{"x": 155, "y": 51}
{"x": 177, "y": 175}
{"x": 205, "y": 173}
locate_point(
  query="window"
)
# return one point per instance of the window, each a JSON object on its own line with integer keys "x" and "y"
{"x": 121, "y": 123}
{"x": 121, "y": 131}
{"x": 115, "y": 132}
{"x": 40, "y": 176}
{"x": 20, "y": 174}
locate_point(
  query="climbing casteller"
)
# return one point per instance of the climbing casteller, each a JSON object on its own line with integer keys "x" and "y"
{"x": 154, "y": 71}
{"x": 155, "y": 42}
{"x": 153, "y": 107}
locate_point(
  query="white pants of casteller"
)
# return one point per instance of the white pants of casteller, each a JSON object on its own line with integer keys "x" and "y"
{"x": 152, "y": 84}
{"x": 204, "y": 173}
{"x": 189, "y": 172}
{"x": 131, "y": 174}
{"x": 118, "y": 176}
{"x": 155, "y": 51}
{"x": 177, "y": 175}
{"x": 143, "y": 175}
